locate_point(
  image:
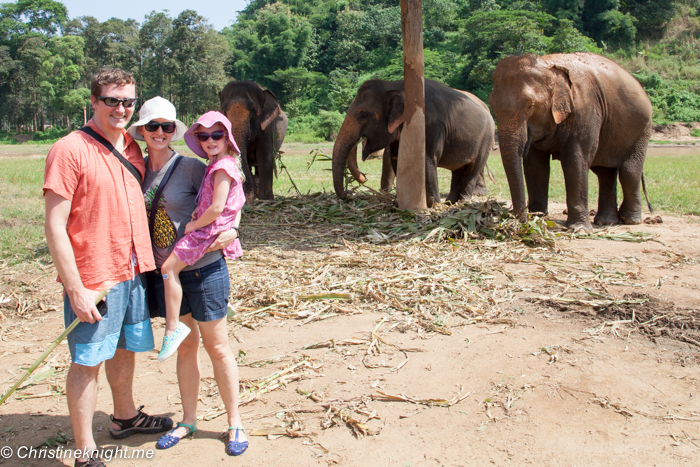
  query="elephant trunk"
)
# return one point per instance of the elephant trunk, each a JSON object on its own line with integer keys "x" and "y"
{"x": 345, "y": 143}
{"x": 514, "y": 142}
{"x": 248, "y": 182}
{"x": 354, "y": 168}
{"x": 239, "y": 116}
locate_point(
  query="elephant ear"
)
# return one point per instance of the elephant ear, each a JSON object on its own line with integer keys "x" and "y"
{"x": 270, "y": 111}
{"x": 562, "y": 97}
{"x": 395, "y": 104}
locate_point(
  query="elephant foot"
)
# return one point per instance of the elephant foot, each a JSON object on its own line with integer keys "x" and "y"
{"x": 576, "y": 226}
{"x": 480, "y": 191}
{"x": 631, "y": 218}
{"x": 461, "y": 199}
{"x": 606, "y": 218}
{"x": 540, "y": 210}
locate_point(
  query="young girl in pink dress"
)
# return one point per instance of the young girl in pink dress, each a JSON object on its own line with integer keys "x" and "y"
{"x": 220, "y": 201}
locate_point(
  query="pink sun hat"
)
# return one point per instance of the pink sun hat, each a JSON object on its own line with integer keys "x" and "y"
{"x": 208, "y": 120}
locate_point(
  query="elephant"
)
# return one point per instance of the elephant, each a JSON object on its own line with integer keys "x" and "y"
{"x": 459, "y": 135}
{"x": 389, "y": 161}
{"x": 259, "y": 126}
{"x": 583, "y": 110}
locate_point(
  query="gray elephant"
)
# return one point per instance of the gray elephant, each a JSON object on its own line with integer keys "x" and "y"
{"x": 259, "y": 126}
{"x": 459, "y": 134}
{"x": 389, "y": 160}
{"x": 584, "y": 110}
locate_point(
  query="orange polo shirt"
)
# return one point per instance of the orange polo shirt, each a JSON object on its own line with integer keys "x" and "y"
{"x": 107, "y": 219}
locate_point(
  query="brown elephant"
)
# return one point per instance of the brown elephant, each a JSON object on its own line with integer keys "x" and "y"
{"x": 259, "y": 126}
{"x": 584, "y": 110}
{"x": 459, "y": 134}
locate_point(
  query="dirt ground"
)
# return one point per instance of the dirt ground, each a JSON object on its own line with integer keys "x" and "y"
{"x": 541, "y": 370}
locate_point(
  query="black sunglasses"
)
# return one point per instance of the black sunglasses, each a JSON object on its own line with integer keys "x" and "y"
{"x": 216, "y": 136}
{"x": 114, "y": 101}
{"x": 152, "y": 127}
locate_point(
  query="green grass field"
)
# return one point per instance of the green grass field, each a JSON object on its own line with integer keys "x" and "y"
{"x": 672, "y": 182}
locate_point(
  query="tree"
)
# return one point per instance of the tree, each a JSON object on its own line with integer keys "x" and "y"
{"x": 24, "y": 28}
{"x": 568, "y": 39}
{"x": 32, "y": 54}
{"x": 32, "y": 17}
{"x": 565, "y": 9}
{"x": 488, "y": 36}
{"x": 62, "y": 72}
{"x": 343, "y": 85}
{"x": 269, "y": 39}
{"x": 603, "y": 21}
{"x": 199, "y": 55}
{"x": 157, "y": 57}
{"x": 298, "y": 85}
{"x": 652, "y": 15}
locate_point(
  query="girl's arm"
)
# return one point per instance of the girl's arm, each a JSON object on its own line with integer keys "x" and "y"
{"x": 222, "y": 185}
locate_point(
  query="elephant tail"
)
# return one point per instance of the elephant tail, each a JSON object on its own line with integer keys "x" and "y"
{"x": 646, "y": 196}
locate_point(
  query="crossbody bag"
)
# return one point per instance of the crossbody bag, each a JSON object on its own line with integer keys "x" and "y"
{"x": 129, "y": 166}
{"x": 151, "y": 276}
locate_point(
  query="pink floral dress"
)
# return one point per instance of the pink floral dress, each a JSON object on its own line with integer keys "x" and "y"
{"x": 192, "y": 246}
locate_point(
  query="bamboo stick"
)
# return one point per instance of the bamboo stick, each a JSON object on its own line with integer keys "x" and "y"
{"x": 51, "y": 348}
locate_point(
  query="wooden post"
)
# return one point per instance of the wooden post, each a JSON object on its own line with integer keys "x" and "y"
{"x": 410, "y": 176}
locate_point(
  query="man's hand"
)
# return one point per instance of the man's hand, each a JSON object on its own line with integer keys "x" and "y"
{"x": 223, "y": 240}
{"x": 83, "y": 304}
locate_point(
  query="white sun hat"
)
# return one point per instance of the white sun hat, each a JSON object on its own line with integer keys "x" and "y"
{"x": 157, "y": 107}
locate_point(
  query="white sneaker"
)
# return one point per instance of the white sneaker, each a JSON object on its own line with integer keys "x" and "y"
{"x": 172, "y": 342}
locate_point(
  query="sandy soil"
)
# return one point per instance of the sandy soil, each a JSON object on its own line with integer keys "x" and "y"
{"x": 552, "y": 382}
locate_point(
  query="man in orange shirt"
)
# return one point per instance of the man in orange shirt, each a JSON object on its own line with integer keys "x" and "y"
{"x": 97, "y": 233}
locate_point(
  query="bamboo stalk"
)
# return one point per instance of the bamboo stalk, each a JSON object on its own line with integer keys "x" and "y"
{"x": 51, "y": 348}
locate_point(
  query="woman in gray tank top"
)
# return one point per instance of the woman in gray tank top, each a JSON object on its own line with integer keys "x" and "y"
{"x": 209, "y": 277}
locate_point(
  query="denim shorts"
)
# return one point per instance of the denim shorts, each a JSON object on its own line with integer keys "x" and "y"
{"x": 126, "y": 325}
{"x": 204, "y": 292}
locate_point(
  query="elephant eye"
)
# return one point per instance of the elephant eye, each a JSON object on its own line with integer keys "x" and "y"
{"x": 363, "y": 114}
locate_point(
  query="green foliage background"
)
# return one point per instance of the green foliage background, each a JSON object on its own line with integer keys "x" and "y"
{"x": 315, "y": 54}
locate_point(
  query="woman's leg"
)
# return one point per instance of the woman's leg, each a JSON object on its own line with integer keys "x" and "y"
{"x": 173, "y": 291}
{"x": 215, "y": 339}
{"x": 188, "y": 375}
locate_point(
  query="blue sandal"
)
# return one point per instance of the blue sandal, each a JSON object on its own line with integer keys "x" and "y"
{"x": 235, "y": 447}
{"x": 168, "y": 440}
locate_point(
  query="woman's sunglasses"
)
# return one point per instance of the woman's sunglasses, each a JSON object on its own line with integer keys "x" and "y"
{"x": 216, "y": 136}
{"x": 114, "y": 101}
{"x": 152, "y": 127}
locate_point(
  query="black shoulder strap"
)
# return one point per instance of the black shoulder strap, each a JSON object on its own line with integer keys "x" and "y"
{"x": 159, "y": 192}
{"x": 129, "y": 166}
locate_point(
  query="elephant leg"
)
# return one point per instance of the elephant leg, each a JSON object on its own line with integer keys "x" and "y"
{"x": 575, "y": 168}
{"x": 459, "y": 184}
{"x": 536, "y": 170}
{"x": 476, "y": 185}
{"x": 265, "y": 156}
{"x": 256, "y": 183}
{"x": 630, "y": 180}
{"x": 432, "y": 190}
{"x": 607, "y": 196}
{"x": 480, "y": 186}
{"x": 388, "y": 173}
